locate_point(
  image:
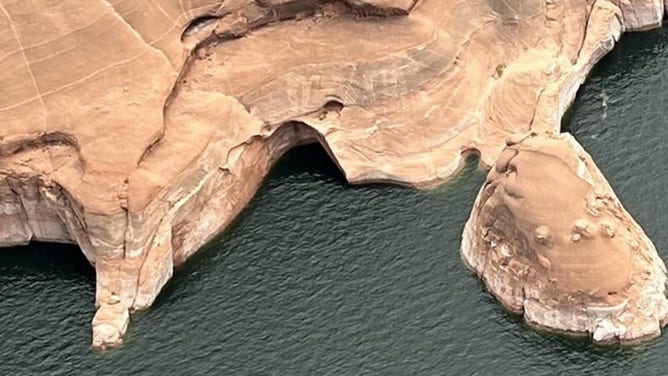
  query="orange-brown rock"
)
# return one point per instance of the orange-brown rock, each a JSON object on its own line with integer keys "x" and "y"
{"x": 550, "y": 240}
{"x": 139, "y": 129}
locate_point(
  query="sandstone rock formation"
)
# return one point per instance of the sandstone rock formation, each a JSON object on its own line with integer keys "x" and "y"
{"x": 140, "y": 129}
{"x": 550, "y": 239}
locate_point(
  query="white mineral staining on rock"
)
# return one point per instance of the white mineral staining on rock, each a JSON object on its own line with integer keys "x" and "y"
{"x": 544, "y": 261}
{"x": 109, "y": 325}
{"x": 594, "y": 206}
{"x": 607, "y": 282}
{"x": 584, "y": 228}
{"x": 542, "y": 235}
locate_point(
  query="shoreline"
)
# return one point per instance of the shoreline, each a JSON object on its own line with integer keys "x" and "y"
{"x": 169, "y": 203}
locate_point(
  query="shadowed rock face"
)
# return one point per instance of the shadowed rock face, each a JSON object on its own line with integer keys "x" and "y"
{"x": 139, "y": 130}
{"x": 550, "y": 239}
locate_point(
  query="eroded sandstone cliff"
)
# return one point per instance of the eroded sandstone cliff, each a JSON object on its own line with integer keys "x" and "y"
{"x": 139, "y": 130}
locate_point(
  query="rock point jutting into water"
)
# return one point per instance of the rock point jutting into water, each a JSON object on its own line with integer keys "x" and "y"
{"x": 550, "y": 239}
{"x": 140, "y": 129}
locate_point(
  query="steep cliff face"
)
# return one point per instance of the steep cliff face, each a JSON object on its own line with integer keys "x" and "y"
{"x": 139, "y": 130}
{"x": 550, "y": 240}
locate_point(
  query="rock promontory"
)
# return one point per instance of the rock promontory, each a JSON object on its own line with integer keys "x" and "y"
{"x": 550, "y": 240}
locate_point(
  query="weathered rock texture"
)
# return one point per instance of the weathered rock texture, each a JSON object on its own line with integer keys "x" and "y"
{"x": 550, "y": 239}
{"x": 139, "y": 129}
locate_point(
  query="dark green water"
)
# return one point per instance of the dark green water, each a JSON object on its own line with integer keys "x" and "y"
{"x": 318, "y": 278}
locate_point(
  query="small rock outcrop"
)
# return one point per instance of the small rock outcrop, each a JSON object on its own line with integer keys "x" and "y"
{"x": 550, "y": 240}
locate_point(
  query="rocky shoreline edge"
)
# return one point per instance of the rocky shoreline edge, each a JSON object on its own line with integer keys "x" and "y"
{"x": 142, "y": 161}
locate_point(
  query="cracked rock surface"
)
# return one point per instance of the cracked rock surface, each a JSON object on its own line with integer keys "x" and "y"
{"x": 140, "y": 129}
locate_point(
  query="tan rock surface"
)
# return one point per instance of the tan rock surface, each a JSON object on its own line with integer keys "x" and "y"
{"x": 139, "y": 130}
{"x": 550, "y": 240}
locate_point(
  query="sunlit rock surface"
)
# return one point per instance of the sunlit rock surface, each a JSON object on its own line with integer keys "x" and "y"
{"x": 550, "y": 240}
{"x": 140, "y": 129}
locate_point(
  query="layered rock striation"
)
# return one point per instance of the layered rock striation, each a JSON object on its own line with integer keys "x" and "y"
{"x": 139, "y": 130}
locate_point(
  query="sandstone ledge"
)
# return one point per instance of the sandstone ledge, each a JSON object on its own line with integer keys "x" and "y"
{"x": 144, "y": 152}
{"x": 550, "y": 239}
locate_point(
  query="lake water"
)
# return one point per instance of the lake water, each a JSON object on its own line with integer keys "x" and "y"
{"x": 319, "y": 278}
